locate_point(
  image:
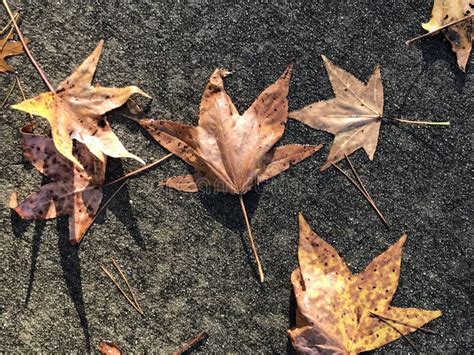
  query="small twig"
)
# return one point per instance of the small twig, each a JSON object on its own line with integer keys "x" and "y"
{"x": 354, "y": 171}
{"x": 8, "y": 94}
{"x": 191, "y": 343}
{"x": 126, "y": 282}
{"x": 428, "y": 331}
{"x": 6, "y": 38}
{"x": 430, "y": 123}
{"x": 27, "y": 51}
{"x": 410, "y": 41}
{"x": 104, "y": 206}
{"x": 20, "y": 86}
{"x": 398, "y": 331}
{"x": 9, "y": 23}
{"x": 138, "y": 171}
{"x": 250, "y": 237}
{"x": 372, "y": 204}
{"x": 107, "y": 272}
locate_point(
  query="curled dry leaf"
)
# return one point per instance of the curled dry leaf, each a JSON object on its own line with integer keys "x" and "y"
{"x": 336, "y": 308}
{"x": 354, "y": 116}
{"x": 73, "y": 191}
{"x": 231, "y": 152}
{"x": 109, "y": 348}
{"x": 8, "y": 48}
{"x": 459, "y": 34}
{"x": 75, "y": 111}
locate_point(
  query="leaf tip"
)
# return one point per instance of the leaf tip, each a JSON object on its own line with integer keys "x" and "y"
{"x": 325, "y": 59}
{"x": 13, "y": 201}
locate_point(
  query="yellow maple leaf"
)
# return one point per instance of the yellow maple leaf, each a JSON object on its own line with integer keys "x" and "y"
{"x": 459, "y": 34}
{"x": 75, "y": 111}
{"x": 339, "y": 312}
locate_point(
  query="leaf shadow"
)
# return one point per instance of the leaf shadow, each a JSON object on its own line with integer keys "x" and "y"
{"x": 291, "y": 322}
{"x": 71, "y": 267}
{"x": 120, "y": 206}
{"x": 35, "y": 248}
{"x": 225, "y": 209}
{"x": 439, "y": 48}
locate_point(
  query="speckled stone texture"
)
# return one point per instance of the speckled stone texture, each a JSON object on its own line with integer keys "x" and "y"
{"x": 186, "y": 254}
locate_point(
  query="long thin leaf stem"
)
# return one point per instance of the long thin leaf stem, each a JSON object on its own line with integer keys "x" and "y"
{"x": 354, "y": 171}
{"x": 398, "y": 331}
{"x": 104, "y": 206}
{"x": 191, "y": 343}
{"x": 138, "y": 171}
{"x": 119, "y": 269}
{"x": 410, "y": 41}
{"x": 428, "y": 331}
{"x": 20, "y": 86}
{"x": 111, "y": 277}
{"x": 9, "y": 23}
{"x": 27, "y": 50}
{"x": 429, "y": 123}
{"x": 6, "y": 38}
{"x": 8, "y": 94}
{"x": 250, "y": 237}
{"x": 369, "y": 199}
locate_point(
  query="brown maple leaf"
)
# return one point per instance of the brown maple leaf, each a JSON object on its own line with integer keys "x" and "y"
{"x": 73, "y": 191}
{"x": 454, "y": 19}
{"x": 8, "y": 48}
{"x": 75, "y": 111}
{"x": 231, "y": 152}
{"x": 342, "y": 313}
{"x": 354, "y": 116}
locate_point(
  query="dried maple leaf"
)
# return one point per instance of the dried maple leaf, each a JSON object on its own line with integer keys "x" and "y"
{"x": 342, "y": 313}
{"x": 231, "y": 152}
{"x": 109, "y": 348}
{"x": 75, "y": 111}
{"x": 7, "y": 49}
{"x": 73, "y": 191}
{"x": 354, "y": 116}
{"x": 454, "y": 19}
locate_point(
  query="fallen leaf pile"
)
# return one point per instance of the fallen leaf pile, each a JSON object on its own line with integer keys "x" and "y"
{"x": 73, "y": 191}
{"x": 336, "y": 309}
{"x": 337, "y": 312}
{"x": 75, "y": 111}
{"x": 231, "y": 152}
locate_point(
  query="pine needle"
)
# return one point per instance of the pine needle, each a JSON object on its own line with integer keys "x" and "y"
{"x": 191, "y": 343}
{"x": 111, "y": 277}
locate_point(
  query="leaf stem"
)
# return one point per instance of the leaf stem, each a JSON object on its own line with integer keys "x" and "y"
{"x": 27, "y": 51}
{"x": 138, "y": 171}
{"x": 410, "y": 41}
{"x": 8, "y": 94}
{"x": 382, "y": 319}
{"x": 119, "y": 269}
{"x": 431, "y": 123}
{"x": 367, "y": 196}
{"x": 250, "y": 237}
{"x": 191, "y": 343}
{"x": 9, "y": 23}
{"x": 429, "y": 331}
{"x": 107, "y": 272}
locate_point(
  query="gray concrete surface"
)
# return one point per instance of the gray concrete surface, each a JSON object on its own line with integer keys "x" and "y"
{"x": 186, "y": 254}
